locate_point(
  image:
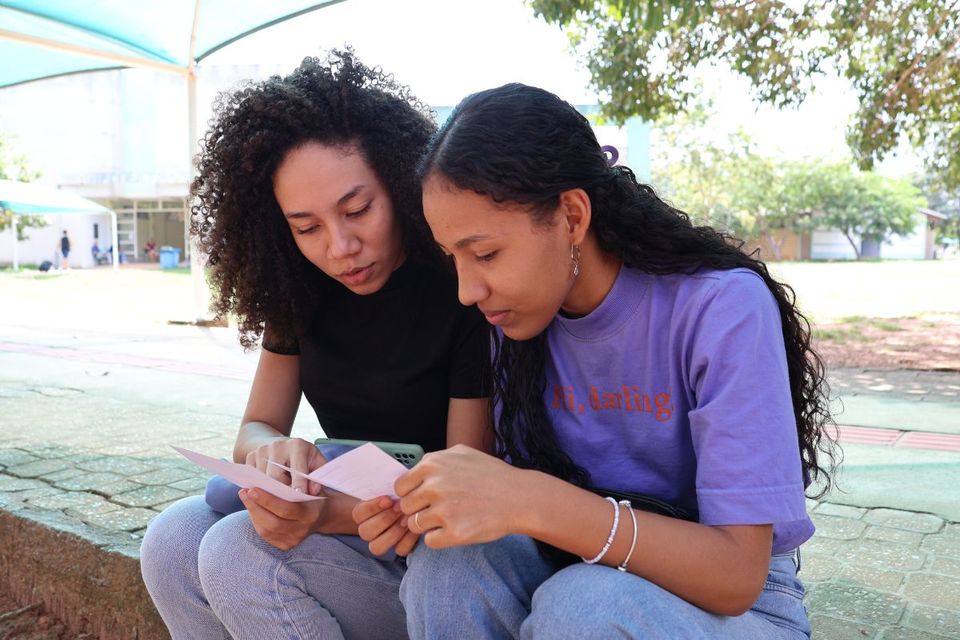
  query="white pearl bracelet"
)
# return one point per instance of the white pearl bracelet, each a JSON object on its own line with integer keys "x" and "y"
{"x": 613, "y": 532}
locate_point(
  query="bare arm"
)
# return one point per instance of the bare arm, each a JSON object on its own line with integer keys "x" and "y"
{"x": 466, "y": 497}
{"x": 721, "y": 569}
{"x": 265, "y": 434}
{"x": 468, "y": 422}
{"x": 272, "y": 404}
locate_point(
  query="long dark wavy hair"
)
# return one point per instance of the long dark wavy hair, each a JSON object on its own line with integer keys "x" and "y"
{"x": 525, "y": 145}
{"x": 255, "y": 268}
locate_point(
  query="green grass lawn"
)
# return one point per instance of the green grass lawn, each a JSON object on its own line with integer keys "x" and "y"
{"x": 835, "y": 291}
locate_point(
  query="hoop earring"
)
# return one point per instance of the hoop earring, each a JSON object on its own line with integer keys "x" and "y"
{"x": 575, "y": 257}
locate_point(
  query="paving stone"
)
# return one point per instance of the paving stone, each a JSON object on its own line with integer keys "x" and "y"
{"x": 49, "y": 451}
{"x": 13, "y": 457}
{"x": 35, "y": 469}
{"x": 191, "y": 485}
{"x": 838, "y": 528}
{"x": 933, "y": 590}
{"x": 909, "y": 634}
{"x": 824, "y": 546}
{"x": 828, "y": 628}
{"x": 79, "y": 502}
{"x": 88, "y": 481}
{"x": 147, "y": 496}
{"x": 39, "y": 492}
{"x": 163, "y": 506}
{"x": 817, "y": 567}
{"x": 946, "y": 566}
{"x": 880, "y": 579}
{"x": 945, "y": 543}
{"x": 80, "y": 458}
{"x": 166, "y": 476}
{"x": 117, "y": 464}
{"x": 921, "y": 522}
{"x": 900, "y": 536}
{"x": 63, "y": 474}
{"x": 117, "y": 488}
{"x": 944, "y": 621}
{"x": 840, "y": 510}
{"x": 855, "y": 603}
{"x": 882, "y": 555}
{"x": 93, "y": 507}
{"x": 10, "y": 483}
{"x": 130, "y": 519}
{"x": 10, "y": 502}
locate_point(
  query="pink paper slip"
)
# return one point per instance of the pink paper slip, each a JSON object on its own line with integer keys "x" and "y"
{"x": 245, "y": 476}
{"x": 365, "y": 473}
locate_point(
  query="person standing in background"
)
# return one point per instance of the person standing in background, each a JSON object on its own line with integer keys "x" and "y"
{"x": 65, "y": 250}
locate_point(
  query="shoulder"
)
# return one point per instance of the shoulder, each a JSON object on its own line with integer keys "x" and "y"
{"x": 707, "y": 287}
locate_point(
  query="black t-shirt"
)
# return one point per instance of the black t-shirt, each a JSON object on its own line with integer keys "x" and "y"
{"x": 384, "y": 366}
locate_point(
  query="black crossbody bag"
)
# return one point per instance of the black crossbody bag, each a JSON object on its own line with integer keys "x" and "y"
{"x": 646, "y": 503}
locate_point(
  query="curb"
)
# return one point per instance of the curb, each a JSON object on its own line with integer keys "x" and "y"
{"x": 92, "y": 586}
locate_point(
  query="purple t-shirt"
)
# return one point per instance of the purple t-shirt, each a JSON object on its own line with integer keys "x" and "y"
{"x": 676, "y": 387}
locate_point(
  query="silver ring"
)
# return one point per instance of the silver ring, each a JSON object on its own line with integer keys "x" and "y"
{"x": 416, "y": 519}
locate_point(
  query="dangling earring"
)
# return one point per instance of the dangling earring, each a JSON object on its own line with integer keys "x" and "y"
{"x": 575, "y": 257}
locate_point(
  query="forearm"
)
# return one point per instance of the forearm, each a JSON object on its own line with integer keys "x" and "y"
{"x": 253, "y": 435}
{"x": 710, "y": 567}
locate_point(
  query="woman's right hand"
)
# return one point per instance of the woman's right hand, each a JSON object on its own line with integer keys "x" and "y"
{"x": 382, "y": 525}
{"x": 295, "y": 453}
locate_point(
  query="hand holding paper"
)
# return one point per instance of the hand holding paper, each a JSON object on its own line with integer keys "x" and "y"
{"x": 246, "y": 476}
{"x": 365, "y": 473}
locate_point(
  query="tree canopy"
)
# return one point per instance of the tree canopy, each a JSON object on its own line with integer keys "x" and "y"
{"x": 726, "y": 183}
{"x": 14, "y": 166}
{"x": 902, "y": 57}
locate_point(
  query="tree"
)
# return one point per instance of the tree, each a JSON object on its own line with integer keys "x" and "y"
{"x": 15, "y": 167}
{"x": 724, "y": 182}
{"x": 902, "y": 57}
{"x": 858, "y": 204}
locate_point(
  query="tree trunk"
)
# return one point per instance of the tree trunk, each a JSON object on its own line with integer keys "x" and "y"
{"x": 856, "y": 249}
{"x": 775, "y": 246}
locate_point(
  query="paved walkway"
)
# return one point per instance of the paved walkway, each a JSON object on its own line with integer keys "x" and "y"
{"x": 87, "y": 417}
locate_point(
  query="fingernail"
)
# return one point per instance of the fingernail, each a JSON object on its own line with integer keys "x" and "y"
{"x": 253, "y": 493}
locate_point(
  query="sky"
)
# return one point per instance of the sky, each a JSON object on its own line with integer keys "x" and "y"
{"x": 446, "y": 49}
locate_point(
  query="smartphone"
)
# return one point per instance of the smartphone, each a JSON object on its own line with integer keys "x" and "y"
{"x": 407, "y": 454}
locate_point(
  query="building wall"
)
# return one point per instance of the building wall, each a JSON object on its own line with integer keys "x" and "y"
{"x": 791, "y": 246}
{"x": 830, "y": 244}
{"x": 911, "y": 247}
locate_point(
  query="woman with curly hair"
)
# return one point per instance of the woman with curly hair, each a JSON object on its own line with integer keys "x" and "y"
{"x": 659, "y": 409}
{"x": 309, "y": 210}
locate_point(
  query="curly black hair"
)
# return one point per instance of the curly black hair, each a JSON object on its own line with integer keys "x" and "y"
{"x": 255, "y": 268}
{"x": 525, "y": 145}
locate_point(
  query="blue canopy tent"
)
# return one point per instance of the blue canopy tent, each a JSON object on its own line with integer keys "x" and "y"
{"x": 27, "y": 198}
{"x": 46, "y": 38}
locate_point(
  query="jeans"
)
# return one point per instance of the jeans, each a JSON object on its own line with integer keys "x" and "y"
{"x": 213, "y": 576}
{"x": 505, "y": 589}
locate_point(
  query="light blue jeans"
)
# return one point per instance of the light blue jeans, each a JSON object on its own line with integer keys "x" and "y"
{"x": 213, "y": 576}
{"x": 505, "y": 589}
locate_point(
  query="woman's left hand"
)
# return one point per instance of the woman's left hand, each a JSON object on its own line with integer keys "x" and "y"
{"x": 460, "y": 496}
{"x": 281, "y": 523}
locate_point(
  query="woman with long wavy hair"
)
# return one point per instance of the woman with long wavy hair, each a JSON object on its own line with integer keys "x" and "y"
{"x": 658, "y": 407}
{"x": 309, "y": 210}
